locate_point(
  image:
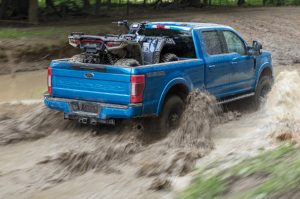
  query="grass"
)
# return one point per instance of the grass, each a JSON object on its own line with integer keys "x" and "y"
{"x": 279, "y": 172}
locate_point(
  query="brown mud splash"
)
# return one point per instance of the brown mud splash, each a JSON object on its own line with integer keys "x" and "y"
{"x": 31, "y": 124}
{"x": 172, "y": 156}
{"x": 110, "y": 150}
{"x": 283, "y": 106}
{"x": 176, "y": 155}
{"x": 197, "y": 120}
{"x": 106, "y": 157}
{"x": 288, "y": 129}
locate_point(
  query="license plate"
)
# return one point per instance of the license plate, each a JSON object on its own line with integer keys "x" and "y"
{"x": 89, "y": 107}
{"x": 85, "y": 107}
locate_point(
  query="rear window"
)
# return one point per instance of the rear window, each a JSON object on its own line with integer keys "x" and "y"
{"x": 212, "y": 42}
{"x": 184, "y": 47}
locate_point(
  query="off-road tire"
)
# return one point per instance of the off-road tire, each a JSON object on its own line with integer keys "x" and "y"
{"x": 77, "y": 58}
{"x": 263, "y": 88}
{"x": 168, "y": 119}
{"x": 127, "y": 62}
{"x": 169, "y": 57}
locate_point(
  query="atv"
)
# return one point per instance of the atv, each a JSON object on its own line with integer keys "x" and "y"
{"x": 130, "y": 49}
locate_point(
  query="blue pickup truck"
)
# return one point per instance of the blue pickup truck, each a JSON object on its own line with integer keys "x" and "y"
{"x": 212, "y": 57}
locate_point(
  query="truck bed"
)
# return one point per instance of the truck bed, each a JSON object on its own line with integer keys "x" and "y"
{"x": 112, "y": 84}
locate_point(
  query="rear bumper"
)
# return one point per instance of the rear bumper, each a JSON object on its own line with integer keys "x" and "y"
{"x": 106, "y": 112}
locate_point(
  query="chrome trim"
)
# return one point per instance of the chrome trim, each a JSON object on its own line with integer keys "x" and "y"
{"x": 46, "y": 95}
{"x": 86, "y": 114}
{"x": 74, "y": 100}
{"x": 235, "y": 98}
{"x": 135, "y": 104}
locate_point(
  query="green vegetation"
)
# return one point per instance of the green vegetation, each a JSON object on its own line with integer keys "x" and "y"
{"x": 80, "y": 3}
{"x": 271, "y": 174}
{"x": 44, "y": 10}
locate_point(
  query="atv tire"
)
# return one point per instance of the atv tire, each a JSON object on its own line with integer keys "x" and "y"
{"x": 169, "y": 57}
{"x": 127, "y": 62}
{"x": 77, "y": 58}
{"x": 263, "y": 88}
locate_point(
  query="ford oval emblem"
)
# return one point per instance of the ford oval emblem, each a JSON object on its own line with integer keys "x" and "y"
{"x": 89, "y": 75}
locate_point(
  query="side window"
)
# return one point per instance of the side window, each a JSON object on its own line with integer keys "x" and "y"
{"x": 234, "y": 43}
{"x": 212, "y": 42}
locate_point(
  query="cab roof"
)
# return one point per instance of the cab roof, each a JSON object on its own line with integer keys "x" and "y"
{"x": 187, "y": 26}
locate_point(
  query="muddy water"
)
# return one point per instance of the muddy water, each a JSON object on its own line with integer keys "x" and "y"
{"x": 43, "y": 156}
{"x": 277, "y": 120}
{"x": 42, "y": 153}
{"x": 23, "y": 86}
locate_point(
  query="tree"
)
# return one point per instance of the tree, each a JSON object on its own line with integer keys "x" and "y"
{"x": 127, "y": 7}
{"x": 97, "y": 6}
{"x": 50, "y": 8}
{"x": 241, "y": 2}
{"x": 20, "y": 8}
{"x": 157, "y": 4}
{"x": 3, "y": 8}
{"x": 109, "y": 4}
{"x": 33, "y": 13}
{"x": 86, "y": 5}
{"x": 49, "y": 4}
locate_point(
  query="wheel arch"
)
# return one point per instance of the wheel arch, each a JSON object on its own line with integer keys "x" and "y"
{"x": 180, "y": 87}
{"x": 264, "y": 71}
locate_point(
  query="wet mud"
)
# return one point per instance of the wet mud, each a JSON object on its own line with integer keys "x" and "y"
{"x": 110, "y": 149}
{"x": 44, "y": 156}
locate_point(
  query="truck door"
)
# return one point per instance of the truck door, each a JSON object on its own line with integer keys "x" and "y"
{"x": 243, "y": 65}
{"x": 218, "y": 69}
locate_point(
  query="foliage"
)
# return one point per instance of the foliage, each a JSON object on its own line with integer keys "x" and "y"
{"x": 47, "y": 9}
{"x": 276, "y": 173}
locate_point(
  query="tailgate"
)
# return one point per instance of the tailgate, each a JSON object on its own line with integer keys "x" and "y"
{"x": 107, "y": 84}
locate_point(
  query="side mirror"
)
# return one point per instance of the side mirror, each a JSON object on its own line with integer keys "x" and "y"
{"x": 257, "y": 46}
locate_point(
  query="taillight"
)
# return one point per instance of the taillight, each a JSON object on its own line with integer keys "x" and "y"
{"x": 160, "y": 26}
{"x": 137, "y": 83}
{"x": 49, "y": 80}
{"x": 113, "y": 43}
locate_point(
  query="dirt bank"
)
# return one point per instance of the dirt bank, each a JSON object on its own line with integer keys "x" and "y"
{"x": 277, "y": 28}
{"x": 23, "y": 54}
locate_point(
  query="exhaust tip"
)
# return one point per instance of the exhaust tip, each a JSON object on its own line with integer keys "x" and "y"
{"x": 93, "y": 122}
{"x": 83, "y": 120}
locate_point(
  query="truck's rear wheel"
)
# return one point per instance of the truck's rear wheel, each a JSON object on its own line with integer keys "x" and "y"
{"x": 77, "y": 58}
{"x": 168, "y": 119}
{"x": 263, "y": 88}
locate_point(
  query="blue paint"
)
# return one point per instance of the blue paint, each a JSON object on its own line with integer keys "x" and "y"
{"x": 111, "y": 84}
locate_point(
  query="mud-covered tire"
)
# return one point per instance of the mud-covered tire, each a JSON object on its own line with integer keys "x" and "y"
{"x": 77, "y": 58}
{"x": 127, "y": 62}
{"x": 263, "y": 88}
{"x": 168, "y": 119}
{"x": 169, "y": 57}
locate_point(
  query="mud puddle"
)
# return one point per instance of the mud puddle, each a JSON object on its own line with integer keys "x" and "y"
{"x": 27, "y": 86}
{"x": 68, "y": 151}
{"x": 276, "y": 121}
{"x": 43, "y": 156}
